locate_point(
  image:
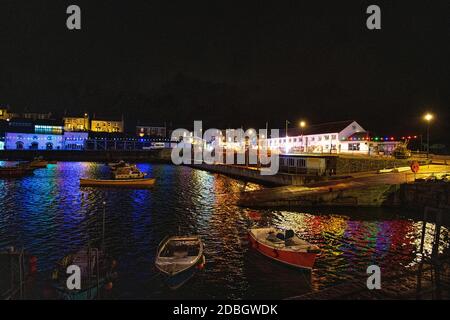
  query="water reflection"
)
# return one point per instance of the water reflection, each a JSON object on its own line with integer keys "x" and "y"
{"x": 51, "y": 216}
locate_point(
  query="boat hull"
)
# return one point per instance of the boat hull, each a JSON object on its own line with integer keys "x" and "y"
{"x": 83, "y": 294}
{"x": 179, "y": 271}
{"x": 131, "y": 183}
{"x": 302, "y": 260}
{"x": 176, "y": 281}
{"x": 15, "y": 172}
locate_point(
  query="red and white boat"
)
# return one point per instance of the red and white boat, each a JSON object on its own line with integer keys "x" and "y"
{"x": 284, "y": 246}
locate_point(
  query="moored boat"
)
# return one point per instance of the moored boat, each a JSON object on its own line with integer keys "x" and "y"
{"x": 14, "y": 172}
{"x": 17, "y": 270}
{"x": 284, "y": 246}
{"x": 135, "y": 183}
{"x": 179, "y": 255}
{"x": 36, "y": 163}
{"x": 97, "y": 274}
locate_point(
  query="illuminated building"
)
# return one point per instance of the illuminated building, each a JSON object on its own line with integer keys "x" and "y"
{"x": 321, "y": 138}
{"x": 107, "y": 126}
{"x": 32, "y": 141}
{"x": 333, "y": 137}
{"x": 28, "y": 134}
{"x": 76, "y": 123}
{"x": 4, "y": 114}
{"x": 48, "y": 126}
{"x": 75, "y": 140}
{"x": 151, "y": 131}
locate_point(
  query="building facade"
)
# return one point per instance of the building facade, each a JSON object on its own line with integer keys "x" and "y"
{"x": 343, "y": 137}
{"x": 36, "y": 115}
{"x": 76, "y": 123}
{"x": 75, "y": 140}
{"x": 107, "y": 126}
{"x": 151, "y": 131}
{"x": 322, "y": 138}
{"x": 32, "y": 141}
{"x": 4, "y": 114}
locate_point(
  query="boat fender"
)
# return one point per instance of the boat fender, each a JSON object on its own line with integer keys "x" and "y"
{"x": 33, "y": 265}
{"x": 200, "y": 266}
{"x": 109, "y": 286}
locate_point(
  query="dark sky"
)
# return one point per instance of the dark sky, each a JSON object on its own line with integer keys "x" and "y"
{"x": 232, "y": 63}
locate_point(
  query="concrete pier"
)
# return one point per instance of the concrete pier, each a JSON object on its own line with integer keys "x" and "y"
{"x": 367, "y": 190}
{"x": 253, "y": 174}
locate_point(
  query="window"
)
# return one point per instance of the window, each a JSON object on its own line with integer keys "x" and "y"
{"x": 353, "y": 146}
{"x": 327, "y": 137}
{"x": 333, "y": 136}
{"x": 301, "y": 163}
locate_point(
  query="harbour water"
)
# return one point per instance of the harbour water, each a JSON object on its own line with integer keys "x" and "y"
{"x": 50, "y": 216}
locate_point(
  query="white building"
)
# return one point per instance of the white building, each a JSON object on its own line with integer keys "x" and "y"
{"x": 333, "y": 137}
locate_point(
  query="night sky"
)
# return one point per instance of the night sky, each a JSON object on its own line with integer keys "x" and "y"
{"x": 231, "y": 63}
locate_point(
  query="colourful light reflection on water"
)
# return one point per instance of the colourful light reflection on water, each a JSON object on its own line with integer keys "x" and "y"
{"x": 51, "y": 216}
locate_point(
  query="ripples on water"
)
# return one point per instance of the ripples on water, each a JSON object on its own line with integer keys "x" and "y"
{"x": 50, "y": 216}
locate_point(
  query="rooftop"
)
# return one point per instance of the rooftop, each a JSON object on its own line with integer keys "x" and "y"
{"x": 328, "y": 127}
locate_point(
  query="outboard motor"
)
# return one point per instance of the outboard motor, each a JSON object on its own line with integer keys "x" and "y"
{"x": 289, "y": 234}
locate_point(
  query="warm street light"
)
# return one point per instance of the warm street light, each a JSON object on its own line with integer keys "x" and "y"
{"x": 428, "y": 117}
{"x": 302, "y": 126}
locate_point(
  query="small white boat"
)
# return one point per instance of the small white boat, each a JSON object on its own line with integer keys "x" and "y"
{"x": 179, "y": 254}
{"x": 129, "y": 172}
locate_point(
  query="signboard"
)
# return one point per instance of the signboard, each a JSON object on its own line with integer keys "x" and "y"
{"x": 415, "y": 166}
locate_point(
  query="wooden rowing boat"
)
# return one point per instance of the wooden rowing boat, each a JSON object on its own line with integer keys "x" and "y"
{"x": 284, "y": 246}
{"x": 122, "y": 183}
{"x": 179, "y": 254}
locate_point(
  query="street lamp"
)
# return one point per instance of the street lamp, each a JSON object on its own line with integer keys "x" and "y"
{"x": 428, "y": 117}
{"x": 302, "y": 126}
